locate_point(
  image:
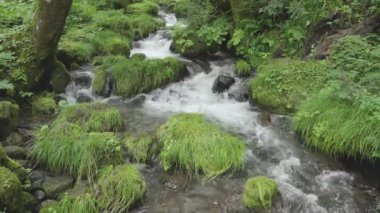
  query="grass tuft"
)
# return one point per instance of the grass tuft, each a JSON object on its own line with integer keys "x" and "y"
{"x": 242, "y": 68}
{"x": 339, "y": 127}
{"x": 259, "y": 193}
{"x": 120, "y": 187}
{"x": 85, "y": 203}
{"x": 44, "y": 104}
{"x": 194, "y": 145}
{"x": 134, "y": 76}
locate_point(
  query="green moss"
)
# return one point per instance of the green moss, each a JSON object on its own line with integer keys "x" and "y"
{"x": 142, "y": 25}
{"x": 120, "y": 187}
{"x": 192, "y": 144}
{"x": 99, "y": 81}
{"x": 12, "y": 165}
{"x": 142, "y": 149}
{"x": 44, "y": 104}
{"x": 12, "y": 198}
{"x": 93, "y": 117}
{"x": 8, "y": 117}
{"x": 242, "y": 68}
{"x": 85, "y": 203}
{"x": 134, "y": 76}
{"x": 146, "y": 6}
{"x": 259, "y": 193}
{"x": 66, "y": 147}
{"x": 283, "y": 84}
{"x": 340, "y": 127}
{"x": 118, "y": 46}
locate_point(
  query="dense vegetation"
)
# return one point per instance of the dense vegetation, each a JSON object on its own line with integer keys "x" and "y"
{"x": 316, "y": 60}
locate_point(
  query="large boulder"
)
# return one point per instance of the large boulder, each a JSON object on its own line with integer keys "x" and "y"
{"x": 16, "y": 152}
{"x": 222, "y": 83}
{"x": 8, "y": 118}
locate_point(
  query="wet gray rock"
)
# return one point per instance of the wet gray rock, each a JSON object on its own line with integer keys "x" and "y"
{"x": 84, "y": 81}
{"x": 222, "y": 83}
{"x": 53, "y": 186}
{"x": 37, "y": 178}
{"x": 264, "y": 119}
{"x": 16, "y": 152}
{"x": 15, "y": 139}
{"x": 23, "y": 163}
{"x": 39, "y": 194}
{"x": 84, "y": 98}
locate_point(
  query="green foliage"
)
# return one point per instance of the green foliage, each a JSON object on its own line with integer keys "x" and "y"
{"x": 44, "y": 104}
{"x": 13, "y": 166}
{"x": 259, "y": 193}
{"x": 344, "y": 118}
{"x": 85, "y": 203}
{"x": 120, "y": 187}
{"x": 283, "y": 84}
{"x": 242, "y": 68}
{"x": 215, "y": 33}
{"x": 142, "y": 149}
{"x": 93, "y": 117}
{"x": 146, "y": 6}
{"x": 195, "y": 145}
{"x": 134, "y": 76}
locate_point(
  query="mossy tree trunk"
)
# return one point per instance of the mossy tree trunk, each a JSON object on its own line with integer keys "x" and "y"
{"x": 49, "y": 23}
{"x": 238, "y": 10}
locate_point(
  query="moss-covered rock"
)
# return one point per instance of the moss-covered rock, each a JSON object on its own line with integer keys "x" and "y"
{"x": 12, "y": 198}
{"x": 188, "y": 46}
{"x": 12, "y": 165}
{"x": 195, "y": 145}
{"x": 8, "y": 118}
{"x": 44, "y": 104}
{"x": 259, "y": 193}
{"x": 142, "y": 149}
{"x": 281, "y": 85}
{"x": 120, "y": 187}
{"x": 118, "y": 46}
{"x": 136, "y": 75}
{"x": 60, "y": 78}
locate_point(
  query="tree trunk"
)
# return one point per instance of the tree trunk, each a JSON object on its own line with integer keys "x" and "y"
{"x": 238, "y": 10}
{"x": 49, "y": 23}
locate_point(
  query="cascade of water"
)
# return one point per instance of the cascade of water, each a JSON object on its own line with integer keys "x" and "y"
{"x": 308, "y": 181}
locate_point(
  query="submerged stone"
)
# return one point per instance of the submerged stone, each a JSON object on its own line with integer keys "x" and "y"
{"x": 222, "y": 83}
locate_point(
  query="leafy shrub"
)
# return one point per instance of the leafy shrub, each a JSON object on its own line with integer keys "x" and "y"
{"x": 197, "y": 146}
{"x": 120, "y": 187}
{"x": 259, "y": 193}
{"x": 283, "y": 84}
{"x": 134, "y": 76}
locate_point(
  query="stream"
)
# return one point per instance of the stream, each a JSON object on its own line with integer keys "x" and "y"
{"x": 308, "y": 181}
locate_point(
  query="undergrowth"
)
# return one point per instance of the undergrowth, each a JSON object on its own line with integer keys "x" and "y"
{"x": 192, "y": 144}
{"x": 85, "y": 203}
{"x": 142, "y": 149}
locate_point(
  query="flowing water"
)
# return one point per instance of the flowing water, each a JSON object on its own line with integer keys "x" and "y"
{"x": 308, "y": 181}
